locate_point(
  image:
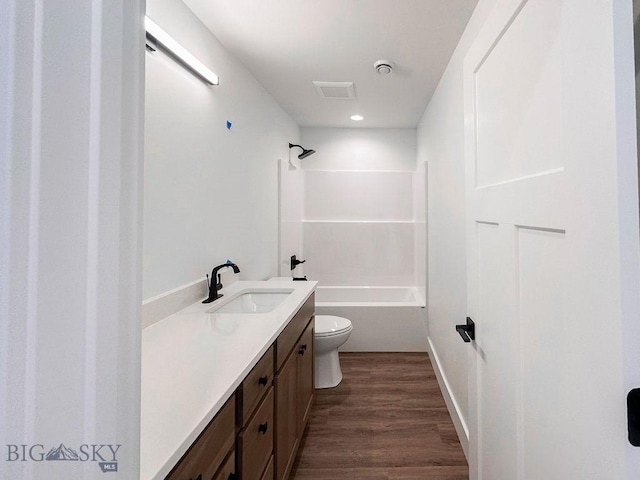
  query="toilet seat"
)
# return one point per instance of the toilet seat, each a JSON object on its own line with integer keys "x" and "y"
{"x": 329, "y": 325}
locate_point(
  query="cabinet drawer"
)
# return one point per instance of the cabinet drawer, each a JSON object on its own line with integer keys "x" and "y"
{"x": 228, "y": 469}
{"x": 290, "y": 335}
{"x": 268, "y": 472}
{"x": 255, "y": 386}
{"x": 255, "y": 442}
{"x": 210, "y": 449}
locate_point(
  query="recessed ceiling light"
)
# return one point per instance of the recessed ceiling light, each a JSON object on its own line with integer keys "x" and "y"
{"x": 357, "y": 118}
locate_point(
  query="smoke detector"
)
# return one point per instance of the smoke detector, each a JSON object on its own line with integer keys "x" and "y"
{"x": 383, "y": 67}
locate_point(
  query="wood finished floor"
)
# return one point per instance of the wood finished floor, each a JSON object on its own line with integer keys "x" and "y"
{"x": 387, "y": 420}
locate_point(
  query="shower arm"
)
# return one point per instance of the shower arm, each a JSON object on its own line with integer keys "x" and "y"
{"x": 305, "y": 153}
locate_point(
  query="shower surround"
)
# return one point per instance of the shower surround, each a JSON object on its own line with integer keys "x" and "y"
{"x": 363, "y": 230}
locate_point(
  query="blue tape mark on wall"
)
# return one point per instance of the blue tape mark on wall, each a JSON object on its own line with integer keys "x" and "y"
{"x": 229, "y": 125}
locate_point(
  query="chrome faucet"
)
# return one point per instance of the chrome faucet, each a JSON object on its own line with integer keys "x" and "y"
{"x": 215, "y": 281}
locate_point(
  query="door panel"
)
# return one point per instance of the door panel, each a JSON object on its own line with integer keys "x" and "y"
{"x": 508, "y": 111}
{"x": 495, "y": 334}
{"x": 545, "y": 340}
{"x": 549, "y": 276}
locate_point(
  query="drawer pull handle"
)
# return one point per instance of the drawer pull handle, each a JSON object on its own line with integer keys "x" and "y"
{"x": 232, "y": 476}
{"x": 199, "y": 477}
{"x": 304, "y": 347}
{"x": 263, "y": 427}
{"x": 301, "y": 351}
{"x": 263, "y": 381}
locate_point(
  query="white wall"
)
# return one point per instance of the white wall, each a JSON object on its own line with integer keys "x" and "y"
{"x": 441, "y": 145}
{"x": 358, "y": 216}
{"x": 391, "y": 149}
{"x": 210, "y": 193}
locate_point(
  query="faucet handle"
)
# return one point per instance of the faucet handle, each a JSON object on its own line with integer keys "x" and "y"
{"x": 295, "y": 262}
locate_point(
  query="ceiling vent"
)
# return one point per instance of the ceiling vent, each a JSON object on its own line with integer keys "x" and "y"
{"x": 340, "y": 90}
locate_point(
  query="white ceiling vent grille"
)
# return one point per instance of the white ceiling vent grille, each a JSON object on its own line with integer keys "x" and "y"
{"x": 340, "y": 90}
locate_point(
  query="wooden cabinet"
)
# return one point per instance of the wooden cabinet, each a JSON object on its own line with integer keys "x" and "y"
{"x": 228, "y": 469}
{"x": 255, "y": 385}
{"x": 294, "y": 387}
{"x": 211, "y": 448}
{"x": 255, "y": 442}
{"x": 289, "y": 337}
{"x": 257, "y": 432}
{"x": 268, "y": 473}
{"x": 305, "y": 379}
{"x": 286, "y": 416}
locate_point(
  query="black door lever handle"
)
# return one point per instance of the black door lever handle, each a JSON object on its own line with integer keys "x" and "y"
{"x": 633, "y": 416}
{"x": 467, "y": 331}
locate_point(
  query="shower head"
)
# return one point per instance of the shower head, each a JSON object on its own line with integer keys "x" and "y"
{"x": 305, "y": 153}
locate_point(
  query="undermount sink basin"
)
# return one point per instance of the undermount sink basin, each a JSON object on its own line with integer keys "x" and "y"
{"x": 253, "y": 302}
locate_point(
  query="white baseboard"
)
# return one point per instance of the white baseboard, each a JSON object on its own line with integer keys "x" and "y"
{"x": 452, "y": 405}
{"x": 156, "y": 308}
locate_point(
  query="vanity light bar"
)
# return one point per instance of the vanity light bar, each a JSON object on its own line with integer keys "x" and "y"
{"x": 163, "y": 38}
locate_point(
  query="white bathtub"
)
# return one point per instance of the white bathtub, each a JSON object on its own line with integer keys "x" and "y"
{"x": 385, "y": 319}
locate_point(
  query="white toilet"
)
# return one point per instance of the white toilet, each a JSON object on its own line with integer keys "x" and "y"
{"x": 330, "y": 333}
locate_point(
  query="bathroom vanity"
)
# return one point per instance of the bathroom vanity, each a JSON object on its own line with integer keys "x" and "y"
{"x": 227, "y": 387}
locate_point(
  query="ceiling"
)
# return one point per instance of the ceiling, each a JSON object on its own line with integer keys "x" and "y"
{"x": 287, "y": 44}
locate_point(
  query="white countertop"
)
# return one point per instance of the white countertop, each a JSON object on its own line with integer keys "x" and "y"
{"x": 192, "y": 361}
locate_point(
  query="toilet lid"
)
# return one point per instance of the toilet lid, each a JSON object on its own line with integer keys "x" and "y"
{"x": 326, "y": 325}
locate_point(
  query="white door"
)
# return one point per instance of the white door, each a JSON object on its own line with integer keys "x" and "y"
{"x": 552, "y": 241}
{"x": 71, "y": 141}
